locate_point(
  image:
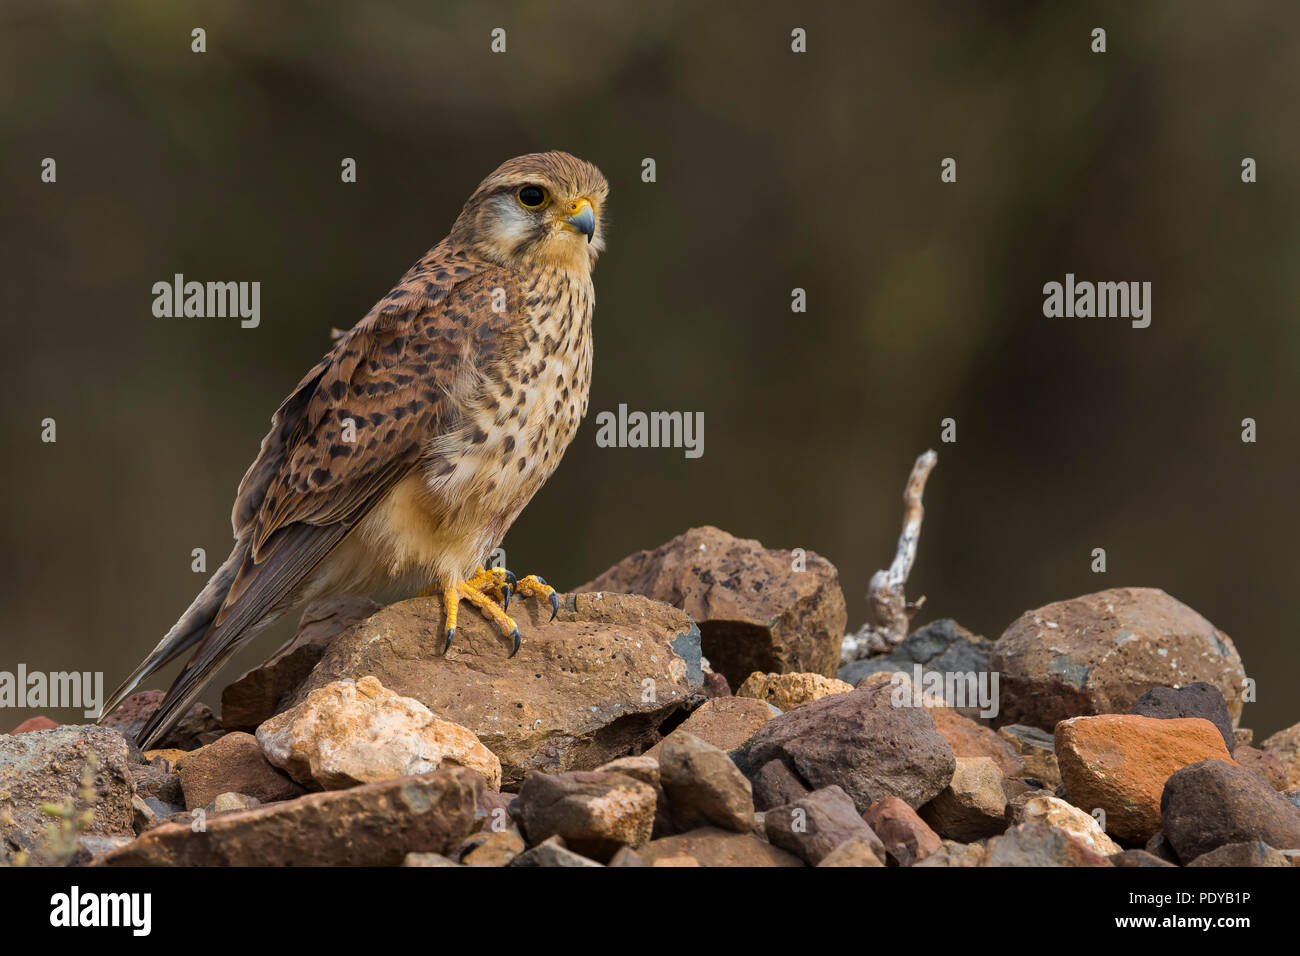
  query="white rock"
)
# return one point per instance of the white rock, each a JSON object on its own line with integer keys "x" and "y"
{"x": 351, "y": 732}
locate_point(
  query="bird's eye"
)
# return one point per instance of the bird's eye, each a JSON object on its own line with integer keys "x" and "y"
{"x": 532, "y": 197}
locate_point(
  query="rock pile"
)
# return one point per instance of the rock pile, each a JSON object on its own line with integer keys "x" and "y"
{"x": 611, "y": 740}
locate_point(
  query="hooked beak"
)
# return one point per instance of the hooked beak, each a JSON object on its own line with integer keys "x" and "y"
{"x": 582, "y": 218}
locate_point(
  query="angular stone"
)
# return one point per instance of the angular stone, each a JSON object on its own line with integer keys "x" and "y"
{"x": 233, "y": 763}
{"x": 1213, "y": 803}
{"x": 1285, "y": 745}
{"x": 594, "y": 813}
{"x": 710, "y": 846}
{"x": 775, "y": 785}
{"x": 817, "y": 824}
{"x": 972, "y": 806}
{"x": 859, "y": 741}
{"x": 646, "y": 769}
{"x": 968, "y": 738}
{"x": 227, "y": 802}
{"x": 755, "y": 611}
{"x": 906, "y": 837}
{"x": 1120, "y": 762}
{"x": 1254, "y": 853}
{"x": 351, "y": 732}
{"x": 787, "y": 691}
{"x": 1055, "y": 812}
{"x": 268, "y": 689}
{"x": 1037, "y": 749}
{"x": 1197, "y": 699}
{"x": 1037, "y": 844}
{"x": 375, "y": 824}
{"x": 725, "y": 722}
{"x": 42, "y": 767}
{"x": 574, "y": 697}
{"x": 1097, "y": 654}
{"x": 552, "y": 852}
{"x": 703, "y": 786}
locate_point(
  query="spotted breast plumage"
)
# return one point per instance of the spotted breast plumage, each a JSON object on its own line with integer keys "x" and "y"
{"x": 406, "y": 453}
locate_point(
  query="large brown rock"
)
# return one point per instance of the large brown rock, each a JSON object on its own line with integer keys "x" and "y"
{"x": 593, "y": 813}
{"x": 592, "y": 685}
{"x": 233, "y": 764}
{"x": 62, "y": 767}
{"x": 376, "y": 824}
{"x": 1120, "y": 762}
{"x": 1097, "y": 654}
{"x": 1213, "y": 803}
{"x": 268, "y": 689}
{"x": 351, "y": 732}
{"x": 756, "y": 612}
{"x": 710, "y": 846}
{"x": 859, "y": 741}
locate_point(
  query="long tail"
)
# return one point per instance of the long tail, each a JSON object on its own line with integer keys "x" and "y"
{"x": 186, "y": 632}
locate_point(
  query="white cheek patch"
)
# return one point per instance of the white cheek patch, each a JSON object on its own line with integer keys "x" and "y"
{"x": 511, "y": 224}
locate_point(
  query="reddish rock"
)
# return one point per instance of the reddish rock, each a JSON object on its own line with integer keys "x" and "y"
{"x": 755, "y": 611}
{"x": 906, "y": 837}
{"x": 1197, "y": 699}
{"x": 1120, "y": 762}
{"x": 233, "y": 764}
{"x": 1097, "y": 654}
{"x": 970, "y": 739}
{"x": 775, "y": 785}
{"x": 1285, "y": 745}
{"x": 376, "y": 824}
{"x": 39, "y": 722}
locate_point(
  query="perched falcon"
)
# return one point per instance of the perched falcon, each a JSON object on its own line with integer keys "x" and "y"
{"x": 404, "y": 456}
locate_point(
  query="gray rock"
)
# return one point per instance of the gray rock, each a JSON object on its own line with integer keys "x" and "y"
{"x": 1197, "y": 699}
{"x": 1212, "y": 803}
{"x": 814, "y": 826}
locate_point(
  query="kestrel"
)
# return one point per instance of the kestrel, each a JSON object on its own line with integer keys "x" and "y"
{"x": 405, "y": 454}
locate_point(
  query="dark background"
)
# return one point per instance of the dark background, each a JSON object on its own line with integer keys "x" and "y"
{"x": 775, "y": 170}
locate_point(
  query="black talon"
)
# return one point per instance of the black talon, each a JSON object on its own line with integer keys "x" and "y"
{"x": 451, "y": 631}
{"x": 514, "y": 634}
{"x": 555, "y": 604}
{"x": 505, "y": 602}
{"x": 510, "y": 578}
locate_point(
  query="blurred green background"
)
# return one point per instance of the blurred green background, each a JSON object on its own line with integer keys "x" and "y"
{"x": 775, "y": 170}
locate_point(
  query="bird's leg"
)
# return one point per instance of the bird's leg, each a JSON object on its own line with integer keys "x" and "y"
{"x": 489, "y": 590}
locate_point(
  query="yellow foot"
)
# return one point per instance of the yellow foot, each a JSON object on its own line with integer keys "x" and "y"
{"x": 489, "y": 590}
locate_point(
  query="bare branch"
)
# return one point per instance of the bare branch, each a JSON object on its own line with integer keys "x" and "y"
{"x": 889, "y": 609}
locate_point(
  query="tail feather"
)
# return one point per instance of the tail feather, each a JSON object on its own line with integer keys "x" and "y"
{"x": 186, "y": 632}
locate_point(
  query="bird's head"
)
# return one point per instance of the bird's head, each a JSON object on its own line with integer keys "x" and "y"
{"x": 539, "y": 209}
